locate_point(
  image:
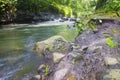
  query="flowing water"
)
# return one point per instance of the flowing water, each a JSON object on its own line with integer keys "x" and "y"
{"x": 17, "y": 60}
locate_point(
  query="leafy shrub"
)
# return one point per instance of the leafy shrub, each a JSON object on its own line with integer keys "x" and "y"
{"x": 8, "y": 9}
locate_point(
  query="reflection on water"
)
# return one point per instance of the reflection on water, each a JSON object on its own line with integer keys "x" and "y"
{"x": 17, "y": 61}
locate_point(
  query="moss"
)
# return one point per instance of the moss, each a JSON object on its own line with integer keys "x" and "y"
{"x": 103, "y": 14}
{"x": 111, "y": 43}
{"x": 76, "y": 61}
{"x": 69, "y": 35}
{"x": 93, "y": 26}
{"x": 116, "y": 31}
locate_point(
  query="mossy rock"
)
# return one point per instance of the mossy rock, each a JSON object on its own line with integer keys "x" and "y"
{"x": 41, "y": 46}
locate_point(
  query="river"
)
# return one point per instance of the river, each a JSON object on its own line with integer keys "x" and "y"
{"x": 17, "y": 60}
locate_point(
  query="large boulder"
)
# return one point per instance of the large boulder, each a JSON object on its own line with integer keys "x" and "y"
{"x": 51, "y": 44}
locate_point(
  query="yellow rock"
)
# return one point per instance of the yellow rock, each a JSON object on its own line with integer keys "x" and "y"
{"x": 111, "y": 61}
{"x": 57, "y": 57}
{"x": 71, "y": 77}
{"x": 113, "y": 74}
{"x": 36, "y": 77}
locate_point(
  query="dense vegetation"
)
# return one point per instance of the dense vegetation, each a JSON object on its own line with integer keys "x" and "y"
{"x": 109, "y": 5}
{"x": 9, "y": 9}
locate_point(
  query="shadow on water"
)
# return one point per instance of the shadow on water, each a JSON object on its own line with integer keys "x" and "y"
{"x": 17, "y": 61}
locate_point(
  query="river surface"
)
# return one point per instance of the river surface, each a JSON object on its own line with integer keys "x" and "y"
{"x": 17, "y": 60}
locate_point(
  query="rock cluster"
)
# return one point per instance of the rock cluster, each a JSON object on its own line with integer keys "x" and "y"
{"x": 92, "y": 56}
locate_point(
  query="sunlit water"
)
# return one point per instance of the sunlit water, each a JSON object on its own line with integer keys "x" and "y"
{"x": 17, "y": 60}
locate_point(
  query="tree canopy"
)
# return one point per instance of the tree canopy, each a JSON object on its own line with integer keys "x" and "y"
{"x": 68, "y": 8}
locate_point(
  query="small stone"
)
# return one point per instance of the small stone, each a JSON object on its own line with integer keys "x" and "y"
{"x": 84, "y": 47}
{"x": 60, "y": 74}
{"x": 111, "y": 61}
{"x": 57, "y": 57}
{"x": 41, "y": 68}
{"x": 43, "y": 77}
{"x": 75, "y": 46}
{"x": 36, "y": 77}
{"x": 71, "y": 77}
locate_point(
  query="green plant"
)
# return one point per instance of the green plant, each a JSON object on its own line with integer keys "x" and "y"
{"x": 81, "y": 25}
{"x": 47, "y": 70}
{"x": 111, "y": 43}
{"x": 67, "y": 8}
{"x": 108, "y": 5}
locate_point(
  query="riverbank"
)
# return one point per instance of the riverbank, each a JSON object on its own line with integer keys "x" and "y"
{"x": 94, "y": 55}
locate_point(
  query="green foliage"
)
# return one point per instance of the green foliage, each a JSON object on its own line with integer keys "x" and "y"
{"x": 81, "y": 25}
{"x": 82, "y": 7}
{"x": 111, "y": 43}
{"x": 112, "y": 5}
{"x": 108, "y": 5}
{"x": 47, "y": 70}
{"x": 67, "y": 8}
{"x": 8, "y": 9}
{"x": 63, "y": 9}
{"x": 100, "y": 4}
